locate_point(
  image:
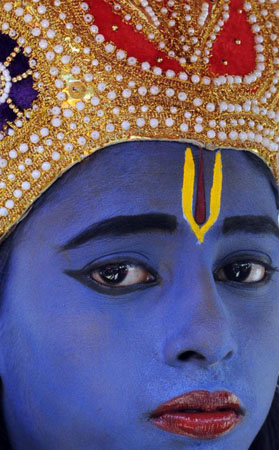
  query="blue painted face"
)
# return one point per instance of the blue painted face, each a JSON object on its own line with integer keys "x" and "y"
{"x": 95, "y": 335}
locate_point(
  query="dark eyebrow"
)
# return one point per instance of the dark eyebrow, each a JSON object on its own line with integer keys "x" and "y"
{"x": 250, "y": 224}
{"x": 121, "y": 225}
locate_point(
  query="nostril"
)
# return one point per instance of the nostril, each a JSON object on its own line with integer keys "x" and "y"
{"x": 185, "y": 356}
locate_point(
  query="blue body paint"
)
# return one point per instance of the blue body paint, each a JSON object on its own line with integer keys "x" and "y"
{"x": 83, "y": 368}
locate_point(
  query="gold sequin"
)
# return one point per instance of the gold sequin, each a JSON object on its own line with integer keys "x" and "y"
{"x": 77, "y": 89}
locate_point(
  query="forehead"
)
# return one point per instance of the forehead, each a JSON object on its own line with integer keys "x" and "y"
{"x": 141, "y": 177}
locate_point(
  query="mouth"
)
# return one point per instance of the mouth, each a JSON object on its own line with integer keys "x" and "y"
{"x": 199, "y": 414}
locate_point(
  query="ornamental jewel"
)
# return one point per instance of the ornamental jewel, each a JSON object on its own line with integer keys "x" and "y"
{"x": 77, "y": 76}
{"x": 16, "y": 83}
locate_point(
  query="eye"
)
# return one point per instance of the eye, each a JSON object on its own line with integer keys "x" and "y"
{"x": 121, "y": 274}
{"x": 243, "y": 272}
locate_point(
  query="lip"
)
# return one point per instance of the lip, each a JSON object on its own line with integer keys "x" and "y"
{"x": 199, "y": 414}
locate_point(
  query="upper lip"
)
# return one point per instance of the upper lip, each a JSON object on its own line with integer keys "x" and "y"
{"x": 204, "y": 401}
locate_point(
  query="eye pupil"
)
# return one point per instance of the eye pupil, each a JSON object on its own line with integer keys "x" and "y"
{"x": 238, "y": 271}
{"x": 114, "y": 273}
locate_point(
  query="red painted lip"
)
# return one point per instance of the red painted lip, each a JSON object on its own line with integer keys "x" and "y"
{"x": 199, "y": 414}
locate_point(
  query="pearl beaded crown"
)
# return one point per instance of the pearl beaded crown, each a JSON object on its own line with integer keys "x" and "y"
{"x": 77, "y": 76}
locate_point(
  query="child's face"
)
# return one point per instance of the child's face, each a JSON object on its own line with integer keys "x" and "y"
{"x": 96, "y": 333}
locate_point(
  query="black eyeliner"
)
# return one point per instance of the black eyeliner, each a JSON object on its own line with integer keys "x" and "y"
{"x": 269, "y": 271}
{"x": 83, "y": 276}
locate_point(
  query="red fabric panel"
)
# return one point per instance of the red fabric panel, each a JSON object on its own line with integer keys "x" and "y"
{"x": 241, "y": 58}
{"x": 128, "y": 39}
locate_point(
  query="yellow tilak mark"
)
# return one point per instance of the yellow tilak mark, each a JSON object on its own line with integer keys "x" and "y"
{"x": 188, "y": 194}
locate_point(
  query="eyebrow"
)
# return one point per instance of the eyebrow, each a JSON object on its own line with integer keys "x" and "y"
{"x": 250, "y": 224}
{"x": 122, "y": 225}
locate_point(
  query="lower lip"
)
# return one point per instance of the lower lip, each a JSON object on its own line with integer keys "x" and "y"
{"x": 200, "y": 425}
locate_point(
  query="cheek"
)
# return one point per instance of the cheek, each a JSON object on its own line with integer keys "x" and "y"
{"x": 59, "y": 356}
{"x": 258, "y": 324}
{"x": 61, "y": 331}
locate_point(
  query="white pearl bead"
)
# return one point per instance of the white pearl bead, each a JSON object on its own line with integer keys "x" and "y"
{"x": 142, "y": 90}
{"x": 206, "y": 81}
{"x": 9, "y": 204}
{"x": 23, "y": 148}
{"x": 109, "y": 48}
{"x": 132, "y": 61}
{"x": 170, "y": 73}
{"x": 154, "y": 90}
{"x": 197, "y": 101}
{"x": 198, "y": 128}
{"x": 95, "y": 134}
{"x": 34, "y": 138}
{"x": 17, "y": 193}
{"x": 110, "y": 127}
{"x": 182, "y": 96}
{"x": 210, "y": 107}
{"x": 43, "y": 44}
{"x": 169, "y": 122}
{"x": 140, "y": 122}
{"x": 212, "y": 123}
{"x": 233, "y": 135}
{"x": 145, "y": 66}
{"x": 157, "y": 70}
{"x": 81, "y": 140}
{"x": 94, "y": 29}
{"x": 8, "y": 6}
{"x": 127, "y": 93}
{"x": 56, "y": 122}
{"x": 13, "y": 154}
{"x": 46, "y": 166}
{"x": 211, "y": 134}
{"x": 99, "y": 38}
{"x": 125, "y": 125}
{"x": 223, "y": 106}
{"x": 68, "y": 147}
{"x": 251, "y": 135}
{"x": 222, "y": 135}
{"x": 25, "y": 185}
{"x": 170, "y": 92}
{"x": 183, "y": 76}
{"x": 154, "y": 123}
{"x": 3, "y": 212}
{"x": 80, "y": 106}
{"x": 195, "y": 79}
{"x": 41, "y": 9}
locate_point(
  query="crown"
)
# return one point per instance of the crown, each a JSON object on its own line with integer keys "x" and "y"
{"x": 77, "y": 76}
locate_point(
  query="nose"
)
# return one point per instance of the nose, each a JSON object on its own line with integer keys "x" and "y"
{"x": 198, "y": 325}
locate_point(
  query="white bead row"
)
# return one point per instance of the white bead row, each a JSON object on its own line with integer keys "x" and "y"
{"x": 204, "y": 14}
{"x": 7, "y": 83}
{"x": 150, "y": 12}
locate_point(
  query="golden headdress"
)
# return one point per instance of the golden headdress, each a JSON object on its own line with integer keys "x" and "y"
{"x": 77, "y": 76}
